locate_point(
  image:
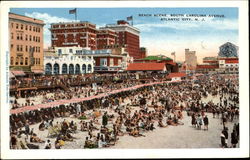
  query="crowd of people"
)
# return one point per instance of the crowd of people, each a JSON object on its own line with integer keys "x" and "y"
{"x": 74, "y": 87}
{"x": 133, "y": 112}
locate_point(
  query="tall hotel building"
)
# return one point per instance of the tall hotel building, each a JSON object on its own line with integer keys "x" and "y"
{"x": 70, "y": 34}
{"x": 26, "y": 43}
{"x": 106, "y": 38}
{"x": 128, "y": 36}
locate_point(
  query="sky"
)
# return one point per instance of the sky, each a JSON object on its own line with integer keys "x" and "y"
{"x": 162, "y": 30}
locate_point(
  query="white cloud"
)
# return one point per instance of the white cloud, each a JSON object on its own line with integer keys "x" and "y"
{"x": 48, "y": 19}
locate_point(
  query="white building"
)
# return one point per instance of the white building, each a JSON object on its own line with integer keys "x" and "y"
{"x": 229, "y": 64}
{"x": 63, "y": 60}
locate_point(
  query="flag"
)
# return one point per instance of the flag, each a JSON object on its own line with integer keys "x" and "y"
{"x": 130, "y": 18}
{"x": 173, "y": 54}
{"x": 73, "y": 11}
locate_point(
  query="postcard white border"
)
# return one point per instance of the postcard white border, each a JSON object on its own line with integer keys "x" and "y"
{"x": 243, "y": 151}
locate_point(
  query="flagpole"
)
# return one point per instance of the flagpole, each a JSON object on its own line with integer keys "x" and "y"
{"x": 75, "y": 15}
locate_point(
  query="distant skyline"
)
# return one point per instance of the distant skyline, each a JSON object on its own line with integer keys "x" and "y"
{"x": 158, "y": 36}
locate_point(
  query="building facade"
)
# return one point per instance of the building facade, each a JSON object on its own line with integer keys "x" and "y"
{"x": 128, "y": 36}
{"x": 64, "y": 60}
{"x": 105, "y": 38}
{"x": 190, "y": 59}
{"x": 228, "y": 65}
{"x": 107, "y": 60}
{"x": 70, "y": 34}
{"x": 26, "y": 43}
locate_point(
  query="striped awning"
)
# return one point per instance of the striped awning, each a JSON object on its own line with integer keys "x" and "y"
{"x": 37, "y": 71}
{"x": 18, "y": 73}
{"x": 11, "y": 75}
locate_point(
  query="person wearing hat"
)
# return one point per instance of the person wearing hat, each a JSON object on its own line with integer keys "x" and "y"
{"x": 225, "y": 132}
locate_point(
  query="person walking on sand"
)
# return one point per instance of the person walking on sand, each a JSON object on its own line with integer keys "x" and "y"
{"x": 234, "y": 139}
{"x": 225, "y": 132}
{"x": 105, "y": 119}
{"x": 206, "y": 122}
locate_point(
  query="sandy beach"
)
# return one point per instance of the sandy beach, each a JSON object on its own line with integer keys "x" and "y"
{"x": 172, "y": 137}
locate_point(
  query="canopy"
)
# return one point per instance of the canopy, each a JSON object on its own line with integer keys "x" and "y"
{"x": 37, "y": 71}
{"x": 18, "y": 73}
{"x": 11, "y": 75}
{"x": 76, "y": 100}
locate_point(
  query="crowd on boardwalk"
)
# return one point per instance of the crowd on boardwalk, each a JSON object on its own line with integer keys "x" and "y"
{"x": 76, "y": 87}
{"x": 133, "y": 113}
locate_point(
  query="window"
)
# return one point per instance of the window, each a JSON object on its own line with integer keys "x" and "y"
{"x": 17, "y": 37}
{"x": 70, "y": 50}
{"x": 38, "y": 60}
{"x": 26, "y": 27}
{"x": 17, "y": 26}
{"x": 38, "y": 39}
{"x": 111, "y": 62}
{"x": 26, "y": 48}
{"x": 39, "y": 49}
{"x": 39, "y": 30}
{"x": 11, "y": 46}
{"x": 26, "y": 61}
{"x": 17, "y": 60}
{"x": 17, "y": 47}
{"x": 21, "y": 37}
{"x": 26, "y": 37}
{"x": 12, "y": 35}
{"x": 21, "y": 26}
{"x": 119, "y": 62}
{"x": 11, "y": 60}
{"x": 103, "y": 62}
{"x": 21, "y": 61}
{"x": 30, "y": 38}
{"x": 34, "y": 28}
{"x": 59, "y": 51}
{"x": 34, "y": 38}
{"x": 21, "y": 47}
{"x": 30, "y": 28}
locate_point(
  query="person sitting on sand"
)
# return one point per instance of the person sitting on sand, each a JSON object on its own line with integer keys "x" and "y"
{"x": 179, "y": 115}
{"x": 160, "y": 124}
{"x": 84, "y": 126}
{"x": 170, "y": 121}
{"x": 42, "y": 126}
{"x": 135, "y": 132}
{"x": 35, "y": 139}
{"x": 57, "y": 144}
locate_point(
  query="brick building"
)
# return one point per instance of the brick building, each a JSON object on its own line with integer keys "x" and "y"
{"x": 26, "y": 44}
{"x": 105, "y": 38}
{"x": 70, "y": 34}
{"x": 170, "y": 64}
{"x": 128, "y": 36}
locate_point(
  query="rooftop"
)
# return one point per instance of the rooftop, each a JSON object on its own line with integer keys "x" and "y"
{"x": 146, "y": 67}
{"x": 160, "y": 57}
{"x": 25, "y": 18}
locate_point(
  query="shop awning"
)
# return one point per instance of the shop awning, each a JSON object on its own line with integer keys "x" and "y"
{"x": 18, "y": 73}
{"x": 76, "y": 100}
{"x": 11, "y": 75}
{"x": 37, "y": 71}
